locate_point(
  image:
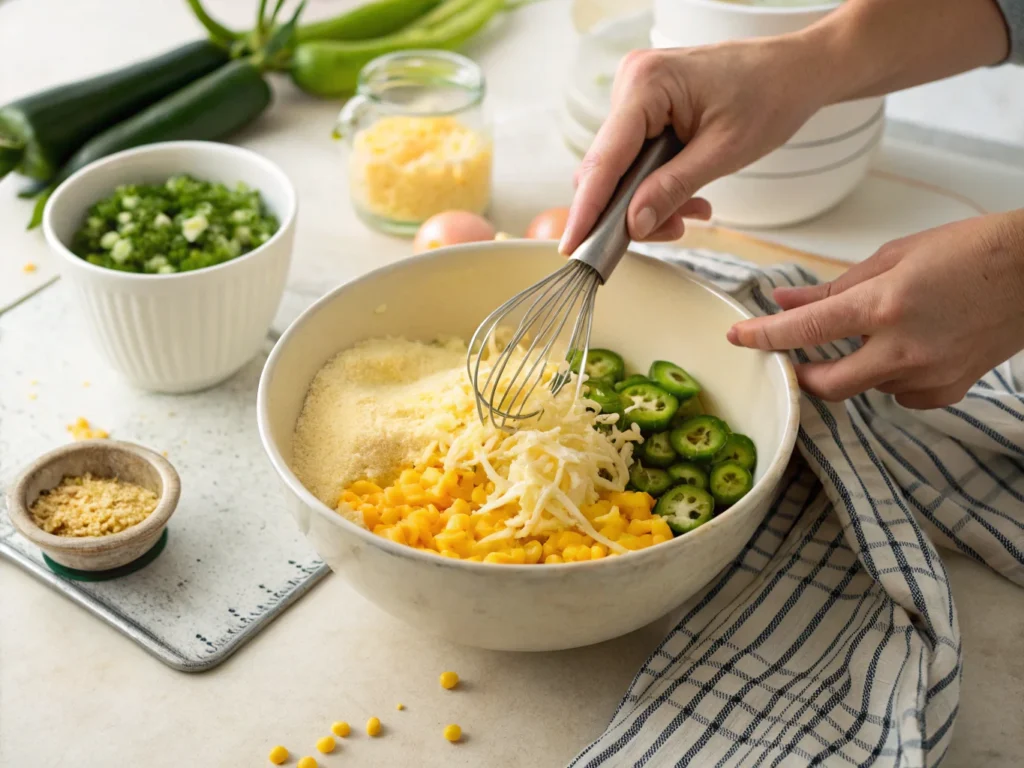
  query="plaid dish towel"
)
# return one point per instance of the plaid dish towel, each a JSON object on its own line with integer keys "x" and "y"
{"x": 832, "y": 639}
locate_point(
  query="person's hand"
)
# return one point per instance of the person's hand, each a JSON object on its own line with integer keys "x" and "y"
{"x": 936, "y": 310}
{"x": 730, "y": 103}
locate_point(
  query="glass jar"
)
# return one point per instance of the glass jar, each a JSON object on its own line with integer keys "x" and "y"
{"x": 418, "y": 139}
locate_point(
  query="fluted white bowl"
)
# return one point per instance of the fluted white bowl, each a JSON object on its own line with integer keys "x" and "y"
{"x": 186, "y": 331}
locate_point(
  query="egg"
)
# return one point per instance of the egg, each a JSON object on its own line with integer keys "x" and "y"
{"x": 452, "y": 228}
{"x": 548, "y": 225}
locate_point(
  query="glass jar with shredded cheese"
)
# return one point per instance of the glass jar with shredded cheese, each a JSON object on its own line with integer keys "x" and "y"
{"x": 418, "y": 139}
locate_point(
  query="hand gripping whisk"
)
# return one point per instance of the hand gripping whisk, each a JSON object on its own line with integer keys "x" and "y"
{"x": 548, "y": 306}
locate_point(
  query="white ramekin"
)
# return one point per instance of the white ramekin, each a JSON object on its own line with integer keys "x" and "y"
{"x": 187, "y": 331}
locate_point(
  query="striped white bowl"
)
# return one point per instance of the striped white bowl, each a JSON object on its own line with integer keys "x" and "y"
{"x": 180, "y": 332}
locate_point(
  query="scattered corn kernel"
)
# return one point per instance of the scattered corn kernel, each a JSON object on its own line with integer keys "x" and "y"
{"x": 399, "y": 706}
{"x": 82, "y": 430}
{"x": 341, "y": 728}
{"x": 449, "y": 679}
{"x": 373, "y": 726}
{"x": 278, "y": 755}
{"x": 306, "y": 762}
{"x": 29, "y": 268}
{"x": 325, "y": 745}
{"x": 452, "y": 732}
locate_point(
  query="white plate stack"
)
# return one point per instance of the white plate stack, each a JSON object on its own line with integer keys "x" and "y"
{"x": 812, "y": 173}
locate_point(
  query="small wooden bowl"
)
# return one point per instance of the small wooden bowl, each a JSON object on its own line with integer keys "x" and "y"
{"x": 101, "y": 458}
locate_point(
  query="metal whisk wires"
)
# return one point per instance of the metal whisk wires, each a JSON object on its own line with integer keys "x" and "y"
{"x": 503, "y": 386}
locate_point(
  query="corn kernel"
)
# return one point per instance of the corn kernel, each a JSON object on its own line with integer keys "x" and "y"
{"x": 534, "y": 551}
{"x": 449, "y": 680}
{"x": 450, "y": 554}
{"x": 278, "y": 755}
{"x": 306, "y": 762}
{"x": 582, "y": 553}
{"x": 373, "y": 726}
{"x": 597, "y": 551}
{"x": 453, "y": 733}
{"x": 459, "y": 522}
{"x": 647, "y": 540}
{"x": 396, "y": 535}
{"x": 660, "y": 528}
{"x": 549, "y": 548}
{"x": 518, "y": 555}
{"x": 341, "y": 728}
{"x": 479, "y": 495}
{"x": 659, "y": 539}
{"x": 628, "y": 540}
{"x": 363, "y": 487}
{"x": 498, "y": 557}
{"x": 371, "y": 517}
{"x": 409, "y": 477}
{"x": 390, "y": 516}
{"x": 552, "y": 560}
{"x": 639, "y": 527}
{"x": 325, "y": 745}
{"x": 399, "y": 706}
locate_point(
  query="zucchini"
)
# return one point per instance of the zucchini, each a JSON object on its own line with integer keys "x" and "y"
{"x": 208, "y": 109}
{"x": 39, "y": 133}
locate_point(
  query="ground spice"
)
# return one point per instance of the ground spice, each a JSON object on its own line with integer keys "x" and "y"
{"x": 92, "y": 506}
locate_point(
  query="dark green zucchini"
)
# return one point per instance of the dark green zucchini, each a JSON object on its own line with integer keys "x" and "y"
{"x": 39, "y": 133}
{"x": 209, "y": 109}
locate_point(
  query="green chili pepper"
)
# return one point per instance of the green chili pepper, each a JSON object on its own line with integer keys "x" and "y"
{"x": 376, "y": 19}
{"x": 649, "y": 480}
{"x": 685, "y": 507}
{"x": 738, "y": 448}
{"x": 700, "y": 438}
{"x": 730, "y": 482}
{"x": 688, "y": 473}
{"x": 330, "y": 68}
{"x": 657, "y": 450}
{"x": 652, "y": 408}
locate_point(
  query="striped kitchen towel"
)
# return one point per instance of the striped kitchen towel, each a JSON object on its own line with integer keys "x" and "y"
{"x": 832, "y": 639}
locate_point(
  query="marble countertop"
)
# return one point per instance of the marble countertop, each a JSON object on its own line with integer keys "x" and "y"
{"x": 73, "y": 692}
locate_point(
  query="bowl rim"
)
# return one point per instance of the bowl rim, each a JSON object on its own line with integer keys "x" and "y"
{"x": 742, "y": 8}
{"x": 129, "y": 156}
{"x": 772, "y": 474}
{"x": 21, "y": 517}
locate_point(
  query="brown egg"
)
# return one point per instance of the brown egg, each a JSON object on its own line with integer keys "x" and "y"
{"x": 548, "y": 225}
{"x": 452, "y": 228}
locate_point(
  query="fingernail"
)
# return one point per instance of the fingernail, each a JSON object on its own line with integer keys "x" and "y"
{"x": 733, "y": 336}
{"x": 645, "y": 222}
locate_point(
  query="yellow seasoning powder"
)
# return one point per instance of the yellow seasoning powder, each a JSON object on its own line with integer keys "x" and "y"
{"x": 92, "y": 506}
{"x": 407, "y": 168}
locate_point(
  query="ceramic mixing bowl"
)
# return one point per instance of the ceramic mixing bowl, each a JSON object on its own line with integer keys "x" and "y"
{"x": 648, "y": 310}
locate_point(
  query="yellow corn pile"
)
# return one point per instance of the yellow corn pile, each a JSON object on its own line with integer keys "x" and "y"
{"x": 437, "y": 511}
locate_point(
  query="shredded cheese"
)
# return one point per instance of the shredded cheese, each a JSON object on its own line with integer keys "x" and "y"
{"x": 408, "y": 168}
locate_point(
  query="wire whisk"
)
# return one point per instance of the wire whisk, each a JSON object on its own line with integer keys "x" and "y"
{"x": 538, "y": 351}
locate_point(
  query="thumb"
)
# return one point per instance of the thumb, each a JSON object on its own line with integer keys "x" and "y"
{"x": 666, "y": 190}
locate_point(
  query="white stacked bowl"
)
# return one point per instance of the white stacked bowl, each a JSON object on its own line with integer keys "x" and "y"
{"x": 821, "y": 164}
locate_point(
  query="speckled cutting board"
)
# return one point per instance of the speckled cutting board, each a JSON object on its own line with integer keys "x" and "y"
{"x": 234, "y": 557}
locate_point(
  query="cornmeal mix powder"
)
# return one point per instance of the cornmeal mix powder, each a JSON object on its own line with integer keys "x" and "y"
{"x": 92, "y": 506}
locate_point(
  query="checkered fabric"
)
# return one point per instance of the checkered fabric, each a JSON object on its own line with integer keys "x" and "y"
{"x": 833, "y": 639}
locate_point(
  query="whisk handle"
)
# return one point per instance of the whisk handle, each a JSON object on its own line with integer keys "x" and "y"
{"x": 608, "y": 240}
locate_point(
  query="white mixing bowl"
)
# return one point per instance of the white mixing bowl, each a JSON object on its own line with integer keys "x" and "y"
{"x": 649, "y": 310}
